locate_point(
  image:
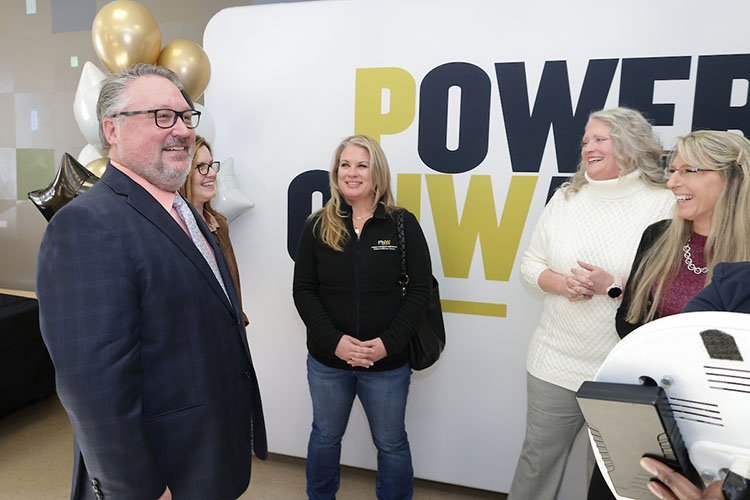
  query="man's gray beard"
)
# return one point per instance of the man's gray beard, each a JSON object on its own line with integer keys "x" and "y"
{"x": 162, "y": 176}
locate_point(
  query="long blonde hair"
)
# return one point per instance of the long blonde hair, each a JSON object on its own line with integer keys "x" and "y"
{"x": 637, "y": 147}
{"x": 331, "y": 218}
{"x": 729, "y": 237}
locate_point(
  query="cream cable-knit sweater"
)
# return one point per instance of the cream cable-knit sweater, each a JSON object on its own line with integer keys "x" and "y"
{"x": 601, "y": 224}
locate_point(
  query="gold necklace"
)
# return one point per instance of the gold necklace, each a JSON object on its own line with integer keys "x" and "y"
{"x": 362, "y": 216}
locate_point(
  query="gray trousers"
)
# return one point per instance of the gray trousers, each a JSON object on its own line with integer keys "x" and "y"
{"x": 553, "y": 420}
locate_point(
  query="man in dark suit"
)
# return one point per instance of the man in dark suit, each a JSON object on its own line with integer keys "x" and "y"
{"x": 729, "y": 290}
{"x": 148, "y": 343}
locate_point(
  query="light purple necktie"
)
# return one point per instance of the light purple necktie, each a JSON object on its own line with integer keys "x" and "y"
{"x": 195, "y": 234}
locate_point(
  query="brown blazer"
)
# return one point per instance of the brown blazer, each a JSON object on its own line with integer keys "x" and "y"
{"x": 219, "y": 227}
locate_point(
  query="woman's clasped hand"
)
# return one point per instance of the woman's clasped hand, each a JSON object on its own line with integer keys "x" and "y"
{"x": 360, "y": 352}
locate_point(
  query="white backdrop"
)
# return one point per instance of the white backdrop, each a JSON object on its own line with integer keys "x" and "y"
{"x": 283, "y": 92}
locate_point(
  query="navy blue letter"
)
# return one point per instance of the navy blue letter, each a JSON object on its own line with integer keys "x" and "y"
{"x": 299, "y": 203}
{"x": 637, "y": 84}
{"x": 474, "y": 124}
{"x": 713, "y": 92}
{"x": 527, "y": 131}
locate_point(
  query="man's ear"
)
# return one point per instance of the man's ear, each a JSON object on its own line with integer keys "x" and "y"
{"x": 110, "y": 130}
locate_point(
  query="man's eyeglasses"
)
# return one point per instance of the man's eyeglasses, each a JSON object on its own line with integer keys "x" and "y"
{"x": 166, "y": 118}
{"x": 685, "y": 171}
{"x": 202, "y": 168}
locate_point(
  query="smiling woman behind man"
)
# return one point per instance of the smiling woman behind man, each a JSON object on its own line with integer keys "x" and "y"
{"x": 199, "y": 189}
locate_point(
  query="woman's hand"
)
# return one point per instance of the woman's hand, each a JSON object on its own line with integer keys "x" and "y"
{"x": 378, "y": 349}
{"x": 598, "y": 279}
{"x": 355, "y": 352}
{"x": 578, "y": 288}
{"x": 571, "y": 287}
{"x": 678, "y": 487}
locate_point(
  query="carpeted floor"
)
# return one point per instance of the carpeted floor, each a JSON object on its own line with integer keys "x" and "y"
{"x": 36, "y": 463}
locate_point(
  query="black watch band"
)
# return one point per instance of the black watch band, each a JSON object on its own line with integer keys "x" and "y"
{"x": 614, "y": 291}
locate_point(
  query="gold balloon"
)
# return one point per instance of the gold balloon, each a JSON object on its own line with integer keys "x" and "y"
{"x": 191, "y": 64}
{"x": 98, "y": 166}
{"x": 125, "y": 33}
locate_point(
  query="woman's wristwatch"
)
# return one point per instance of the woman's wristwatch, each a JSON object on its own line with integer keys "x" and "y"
{"x": 614, "y": 291}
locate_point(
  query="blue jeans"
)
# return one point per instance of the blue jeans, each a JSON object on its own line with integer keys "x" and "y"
{"x": 383, "y": 396}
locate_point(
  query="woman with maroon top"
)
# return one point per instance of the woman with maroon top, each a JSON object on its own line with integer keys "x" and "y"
{"x": 709, "y": 174}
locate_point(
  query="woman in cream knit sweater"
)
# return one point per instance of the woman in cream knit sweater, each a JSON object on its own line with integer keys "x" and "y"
{"x": 581, "y": 251}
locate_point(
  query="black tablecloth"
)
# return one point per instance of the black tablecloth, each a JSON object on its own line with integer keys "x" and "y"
{"x": 26, "y": 371}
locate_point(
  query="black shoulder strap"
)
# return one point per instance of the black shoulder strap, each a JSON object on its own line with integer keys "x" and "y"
{"x": 404, "y": 279}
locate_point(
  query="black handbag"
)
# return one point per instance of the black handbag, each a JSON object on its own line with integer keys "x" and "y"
{"x": 428, "y": 340}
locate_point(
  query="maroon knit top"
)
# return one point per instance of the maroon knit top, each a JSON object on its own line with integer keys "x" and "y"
{"x": 687, "y": 284}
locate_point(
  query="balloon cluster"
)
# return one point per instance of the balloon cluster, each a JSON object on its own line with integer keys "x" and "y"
{"x": 124, "y": 33}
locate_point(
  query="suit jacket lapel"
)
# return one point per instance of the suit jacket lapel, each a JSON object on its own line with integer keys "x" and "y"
{"x": 226, "y": 276}
{"x": 146, "y": 205}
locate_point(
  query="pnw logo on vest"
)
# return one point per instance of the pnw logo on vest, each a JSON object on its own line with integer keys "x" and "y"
{"x": 384, "y": 245}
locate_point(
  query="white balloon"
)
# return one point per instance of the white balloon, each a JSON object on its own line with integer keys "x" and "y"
{"x": 84, "y": 104}
{"x": 206, "y": 127}
{"x": 229, "y": 200}
{"x": 90, "y": 153}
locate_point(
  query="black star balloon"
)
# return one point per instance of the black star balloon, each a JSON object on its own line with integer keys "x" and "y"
{"x": 71, "y": 180}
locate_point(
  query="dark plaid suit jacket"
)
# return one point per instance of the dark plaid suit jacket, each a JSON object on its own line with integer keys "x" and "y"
{"x": 729, "y": 290}
{"x": 151, "y": 359}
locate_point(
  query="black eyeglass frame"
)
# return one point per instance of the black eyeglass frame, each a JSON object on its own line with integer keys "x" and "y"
{"x": 200, "y": 167}
{"x": 194, "y": 116}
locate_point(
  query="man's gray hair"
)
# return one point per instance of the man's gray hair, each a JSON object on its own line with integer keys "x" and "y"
{"x": 111, "y": 97}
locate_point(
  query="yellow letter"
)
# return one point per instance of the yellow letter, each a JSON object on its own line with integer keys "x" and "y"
{"x": 499, "y": 243}
{"x": 368, "y": 106}
{"x": 409, "y": 192}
